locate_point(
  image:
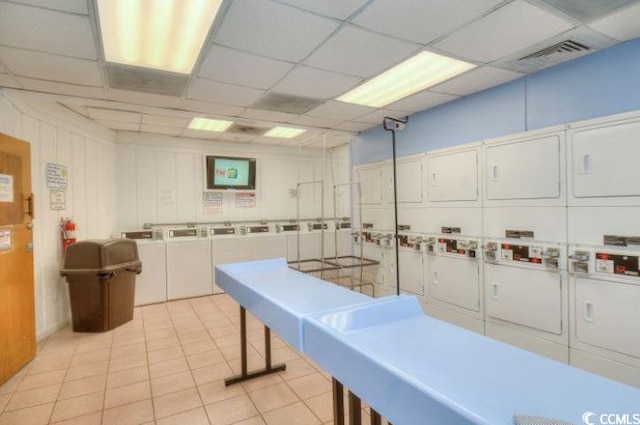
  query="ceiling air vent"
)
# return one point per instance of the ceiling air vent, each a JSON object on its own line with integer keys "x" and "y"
{"x": 567, "y": 47}
{"x": 246, "y": 129}
{"x": 279, "y": 102}
{"x": 146, "y": 80}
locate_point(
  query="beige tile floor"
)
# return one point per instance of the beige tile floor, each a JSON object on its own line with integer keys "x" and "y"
{"x": 166, "y": 367}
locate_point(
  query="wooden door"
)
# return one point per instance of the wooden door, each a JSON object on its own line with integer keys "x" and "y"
{"x": 17, "y": 323}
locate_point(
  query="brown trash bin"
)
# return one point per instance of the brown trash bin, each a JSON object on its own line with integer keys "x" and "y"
{"x": 101, "y": 276}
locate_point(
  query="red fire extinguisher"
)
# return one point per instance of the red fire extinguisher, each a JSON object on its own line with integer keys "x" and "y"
{"x": 68, "y": 233}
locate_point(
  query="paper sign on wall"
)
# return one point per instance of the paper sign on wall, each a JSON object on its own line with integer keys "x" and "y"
{"x": 58, "y": 200}
{"x": 212, "y": 202}
{"x": 245, "y": 200}
{"x": 57, "y": 176}
{"x": 5, "y": 239}
{"x": 6, "y": 188}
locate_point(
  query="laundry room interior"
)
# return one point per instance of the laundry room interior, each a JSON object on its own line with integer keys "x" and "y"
{"x": 501, "y": 193}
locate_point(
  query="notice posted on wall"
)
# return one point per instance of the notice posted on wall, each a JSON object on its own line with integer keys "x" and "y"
{"x": 58, "y": 200}
{"x": 6, "y": 188}
{"x": 5, "y": 239}
{"x": 57, "y": 176}
{"x": 212, "y": 203}
{"x": 245, "y": 200}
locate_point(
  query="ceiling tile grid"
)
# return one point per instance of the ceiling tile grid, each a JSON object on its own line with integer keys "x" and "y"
{"x": 273, "y": 29}
{"x": 265, "y": 55}
{"x": 243, "y": 69}
{"x": 421, "y": 21}
{"x": 510, "y": 28}
{"x": 46, "y": 31}
{"x": 360, "y": 53}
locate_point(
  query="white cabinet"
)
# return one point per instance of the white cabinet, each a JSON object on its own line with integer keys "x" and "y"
{"x": 453, "y": 177}
{"x": 590, "y": 225}
{"x": 530, "y": 298}
{"x": 411, "y": 271}
{"x": 227, "y": 250}
{"x": 606, "y": 315}
{"x": 603, "y": 162}
{"x": 454, "y": 282}
{"x": 525, "y": 170}
{"x": 264, "y": 247}
{"x": 370, "y": 179}
{"x": 463, "y": 221}
{"x": 411, "y": 219}
{"x": 535, "y": 223}
{"x": 151, "y": 284}
{"x": 189, "y": 268}
{"x": 409, "y": 181}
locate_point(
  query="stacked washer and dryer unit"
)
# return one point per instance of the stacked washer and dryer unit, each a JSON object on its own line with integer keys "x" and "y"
{"x": 532, "y": 239}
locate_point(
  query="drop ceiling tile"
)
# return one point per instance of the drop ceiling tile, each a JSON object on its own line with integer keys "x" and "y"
{"x": 104, "y": 114}
{"x": 360, "y": 53}
{"x": 120, "y": 125}
{"x": 79, "y": 109}
{"x": 276, "y": 30}
{"x": 158, "y": 129}
{"x": 235, "y": 137}
{"x": 46, "y": 31}
{"x": 476, "y": 80}
{"x": 316, "y": 122}
{"x": 421, "y": 21}
{"x": 198, "y": 134}
{"x": 61, "y": 88}
{"x": 51, "y": 67}
{"x": 3, "y": 70}
{"x": 622, "y": 25}
{"x": 355, "y": 126}
{"x": 165, "y": 121}
{"x": 421, "y": 101}
{"x": 511, "y": 28}
{"x": 73, "y": 6}
{"x": 341, "y": 9}
{"x": 378, "y": 116}
{"x": 210, "y": 108}
{"x": 339, "y": 110}
{"x": 311, "y": 82}
{"x": 7, "y": 80}
{"x": 261, "y": 114}
{"x": 226, "y": 94}
{"x": 140, "y": 98}
{"x": 242, "y": 69}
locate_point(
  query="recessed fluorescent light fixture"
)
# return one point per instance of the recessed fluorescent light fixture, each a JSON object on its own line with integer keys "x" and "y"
{"x": 424, "y": 70}
{"x": 205, "y": 124}
{"x": 284, "y": 132}
{"x": 158, "y": 34}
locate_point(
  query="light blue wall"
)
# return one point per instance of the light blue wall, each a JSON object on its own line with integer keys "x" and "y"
{"x": 600, "y": 84}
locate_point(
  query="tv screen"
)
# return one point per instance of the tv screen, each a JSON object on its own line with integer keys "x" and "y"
{"x": 231, "y": 173}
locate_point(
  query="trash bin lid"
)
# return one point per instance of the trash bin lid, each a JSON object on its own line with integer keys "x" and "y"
{"x": 100, "y": 254}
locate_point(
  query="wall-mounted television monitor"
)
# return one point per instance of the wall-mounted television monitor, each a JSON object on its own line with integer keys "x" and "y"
{"x": 224, "y": 173}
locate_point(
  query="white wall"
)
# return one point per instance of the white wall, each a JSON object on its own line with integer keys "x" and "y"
{"x": 59, "y": 136}
{"x": 160, "y": 179}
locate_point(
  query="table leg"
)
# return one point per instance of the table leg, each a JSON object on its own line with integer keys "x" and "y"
{"x": 268, "y": 369}
{"x": 355, "y": 412}
{"x": 376, "y": 419}
{"x": 338, "y": 402}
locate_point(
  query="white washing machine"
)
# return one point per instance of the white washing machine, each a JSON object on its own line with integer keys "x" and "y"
{"x": 151, "y": 284}
{"x": 189, "y": 264}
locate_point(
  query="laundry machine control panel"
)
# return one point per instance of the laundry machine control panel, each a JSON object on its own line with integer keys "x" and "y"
{"x": 456, "y": 246}
{"x": 534, "y": 254}
{"x": 604, "y": 261}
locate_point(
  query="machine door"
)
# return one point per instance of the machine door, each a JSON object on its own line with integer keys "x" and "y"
{"x": 453, "y": 177}
{"x": 264, "y": 247}
{"x": 607, "y": 315}
{"x": 409, "y": 174}
{"x": 189, "y": 269}
{"x": 531, "y": 298}
{"x": 151, "y": 284}
{"x": 411, "y": 271}
{"x": 225, "y": 251}
{"x": 604, "y": 161}
{"x": 524, "y": 170}
{"x": 455, "y": 281}
{"x": 370, "y": 185}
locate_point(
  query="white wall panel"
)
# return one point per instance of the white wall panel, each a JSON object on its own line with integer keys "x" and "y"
{"x": 147, "y": 187}
{"x": 59, "y": 137}
{"x": 186, "y": 194}
{"x": 126, "y": 177}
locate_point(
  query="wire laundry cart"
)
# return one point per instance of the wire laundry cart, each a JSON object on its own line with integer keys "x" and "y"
{"x": 349, "y": 271}
{"x": 353, "y": 272}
